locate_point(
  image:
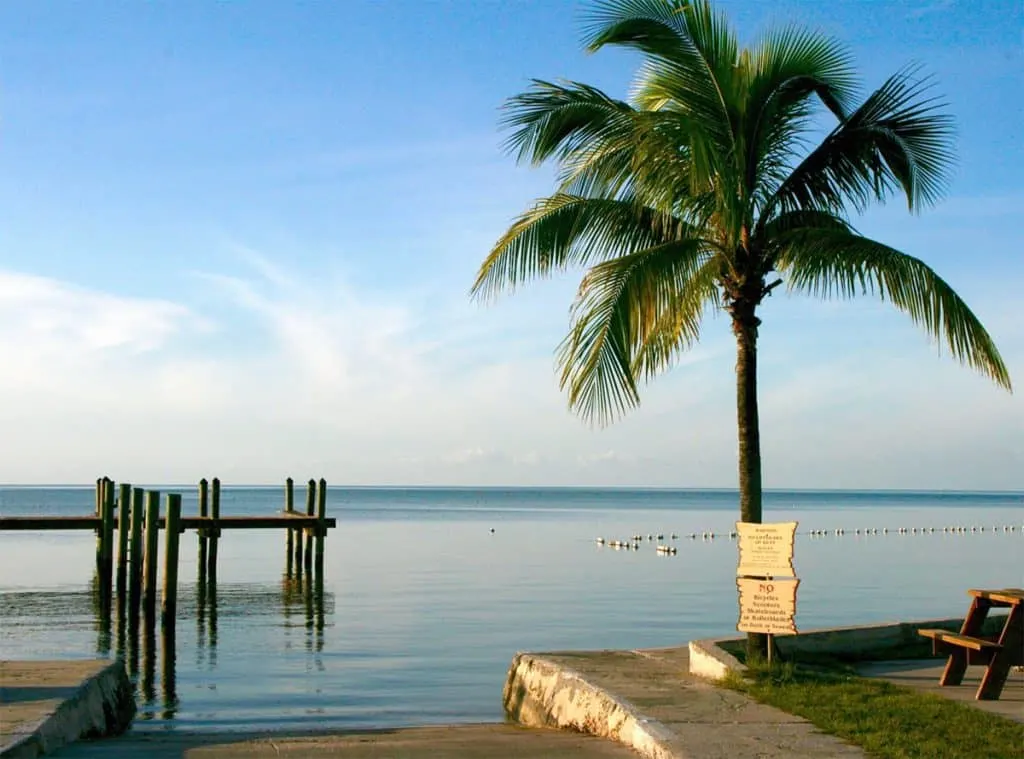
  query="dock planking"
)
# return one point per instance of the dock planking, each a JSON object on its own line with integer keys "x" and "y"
{"x": 279, "y": 521}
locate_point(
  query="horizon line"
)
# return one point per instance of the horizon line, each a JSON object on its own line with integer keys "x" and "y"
{"x": 663, "y": 488}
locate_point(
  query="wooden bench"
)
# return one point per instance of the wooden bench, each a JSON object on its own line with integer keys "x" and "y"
{"x": 966, "y": 647}
{"x": 979, "y": 650}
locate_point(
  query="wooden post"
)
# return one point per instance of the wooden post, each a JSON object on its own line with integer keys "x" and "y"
{"x": 310, "y": 511}
{"x": 290, "y": 534}
{"x": 173, "y": 532}
{"x": 100, "y": 482}
{"x": 124, "y": 510}
{"x": 298, "y": 552}
{"x": 107, "y": 550}
{"x": 152, "y": 535}
{"x": 311, "y": 497}
{"x": 211, "y": 559}
{"x": 135, "y": 557}
{"x": 204, "y": 511}
{"x": 321, "y": 529}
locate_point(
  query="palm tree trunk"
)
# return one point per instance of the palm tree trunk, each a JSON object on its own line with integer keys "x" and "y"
{"x": 745, "y": 328}
{"x": 747, "y": 421}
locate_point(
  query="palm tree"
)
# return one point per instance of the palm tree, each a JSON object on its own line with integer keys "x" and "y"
{"x": 690, "y": 197}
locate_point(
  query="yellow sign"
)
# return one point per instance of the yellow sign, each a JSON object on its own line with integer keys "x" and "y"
{"x": 766, "y": 550}
{"x": 767, "y": 606}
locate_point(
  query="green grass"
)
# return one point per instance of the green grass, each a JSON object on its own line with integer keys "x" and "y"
{"x": 886, "y": 720}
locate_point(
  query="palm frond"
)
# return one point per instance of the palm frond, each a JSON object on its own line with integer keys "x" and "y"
{"x": 897, "y": 139}
{"x": 677, "y": 327}
{"x": 554, "y": 120}
{"x": 569, "y": 230}
{"x": 833, "y": 262}
{"x": 804, "y": 219}
{"x": 649, "y": 159}
{"x": 690, "y": 57}
{"x": 620, "y": 303}
{"x": 786, "y": 69}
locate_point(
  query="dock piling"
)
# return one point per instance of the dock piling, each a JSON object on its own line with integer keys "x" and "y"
{"x": 124, "y": 510}
{"x": 321, "y": 527}
{"x": 310, "y": 511}
{"x": 214, "y": 537}
{"x": 152, "y": 536}
{"x": 290, "y": 534}
{"x": 204, "y": 511}
{"x": 298, "y": 551}
{"x": 173, "y": 533}
{"x": 106, "y": 549}
{"x": 100, "y": 482}
{"x": 135, "y": 557}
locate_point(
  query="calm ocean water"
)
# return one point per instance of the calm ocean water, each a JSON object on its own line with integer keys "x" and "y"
{"x": 424, "y": 606}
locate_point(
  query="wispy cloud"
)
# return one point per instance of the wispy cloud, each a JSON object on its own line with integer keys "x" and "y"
{"x": 929, "y": 8}
{"x": 44, "y": 313}
{"x": 356, "y": 386}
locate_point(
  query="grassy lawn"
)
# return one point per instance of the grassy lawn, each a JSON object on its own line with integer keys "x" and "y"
{"x": 884, "y": 719}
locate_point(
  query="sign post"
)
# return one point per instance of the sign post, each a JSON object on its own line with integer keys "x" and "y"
{"x": 767, "y": 605}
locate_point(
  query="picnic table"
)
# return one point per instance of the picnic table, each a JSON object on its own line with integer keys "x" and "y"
{"x": 967, "y": 647}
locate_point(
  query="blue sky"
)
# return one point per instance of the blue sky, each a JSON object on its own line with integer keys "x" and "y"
{"x": 236, "y": 239}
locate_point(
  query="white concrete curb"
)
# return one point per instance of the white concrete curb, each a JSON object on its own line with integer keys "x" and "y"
{"x": 103, "y": 705}
{"x": 540, "y": 693}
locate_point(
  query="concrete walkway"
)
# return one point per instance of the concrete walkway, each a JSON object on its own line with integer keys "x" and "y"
{"x": 923, "y": 675}
{"x": 648, "y": 699}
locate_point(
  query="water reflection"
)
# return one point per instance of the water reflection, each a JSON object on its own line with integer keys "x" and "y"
{"x": 168, "y": 655}
{"x": 300, "y": 601}
{"x": 146, "y": 684}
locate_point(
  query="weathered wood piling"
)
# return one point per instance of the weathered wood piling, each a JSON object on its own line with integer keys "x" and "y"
{"x": 152, "y": 539}
{"x": 204, "y": 509}
{"x": 124, "y": 510}
{"x": 135, "y": 557}
{"x": 290, "y": 534}
{"x": 172, "y": 532}
{"x": 321, "y": 529}
{"x": 310, "y": 510}
{"x": 214, "y": 533}
{"x": 106, "y": 558}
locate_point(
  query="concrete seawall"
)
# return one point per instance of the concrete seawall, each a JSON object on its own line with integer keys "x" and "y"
{"x": 711, "y": 658}
{"x": 48, "y": 704}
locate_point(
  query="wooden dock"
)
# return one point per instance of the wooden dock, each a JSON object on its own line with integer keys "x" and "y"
{"x": 284, "y": 520}
{"x": 134, "y": 516}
